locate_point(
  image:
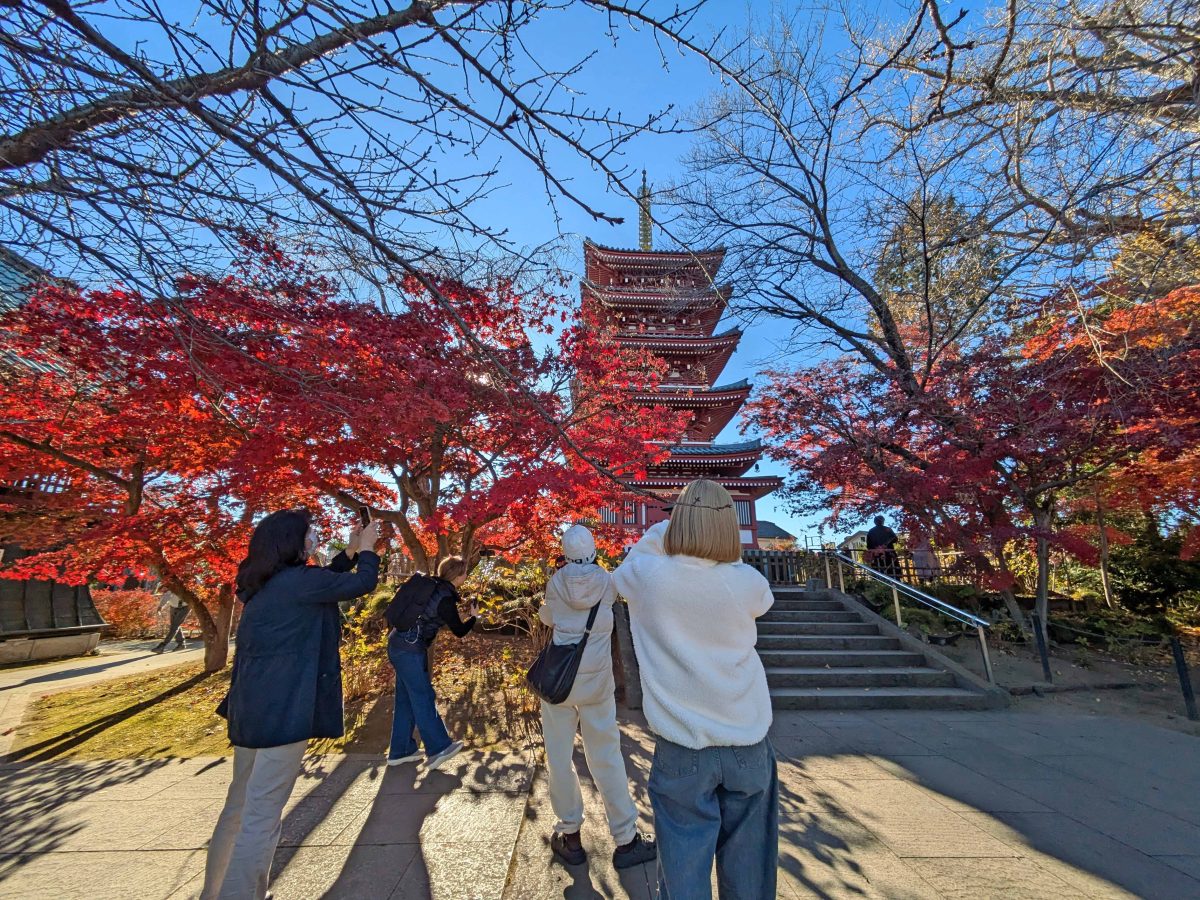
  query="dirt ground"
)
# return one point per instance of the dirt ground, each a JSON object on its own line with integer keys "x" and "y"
{"x": 1100, "y": 683}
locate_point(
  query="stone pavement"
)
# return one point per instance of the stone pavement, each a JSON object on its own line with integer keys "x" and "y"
{"x": 20, "y": 684}
{"x": 874, "y": 805}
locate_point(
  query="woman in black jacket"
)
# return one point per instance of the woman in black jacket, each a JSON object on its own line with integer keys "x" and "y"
{"x": 286, "y": 687}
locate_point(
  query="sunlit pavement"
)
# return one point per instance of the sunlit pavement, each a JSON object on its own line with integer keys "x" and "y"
{"x": 887, "y": 805}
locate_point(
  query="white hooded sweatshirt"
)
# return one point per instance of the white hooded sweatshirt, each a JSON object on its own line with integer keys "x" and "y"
{"x": 572, "y": 592}
{"x": 703, "y": 683}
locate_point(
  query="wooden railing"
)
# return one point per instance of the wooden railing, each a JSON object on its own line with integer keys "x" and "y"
{"x": 786, "y": 566}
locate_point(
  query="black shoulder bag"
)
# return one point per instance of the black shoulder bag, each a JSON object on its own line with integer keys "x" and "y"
{"x": 552, "y": 674}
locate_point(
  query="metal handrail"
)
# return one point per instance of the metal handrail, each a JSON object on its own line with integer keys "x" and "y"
{"x": 979, "y": 624}
{"x": 920, "y": 596}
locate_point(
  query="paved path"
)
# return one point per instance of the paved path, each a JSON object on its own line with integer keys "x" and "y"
{"x": 20, "y": 684}
{"x": 874, "y": 805}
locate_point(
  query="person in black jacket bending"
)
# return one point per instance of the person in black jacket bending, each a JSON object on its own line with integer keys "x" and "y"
{"x": 286, "y": 687}
{"x": 416, "y": 704}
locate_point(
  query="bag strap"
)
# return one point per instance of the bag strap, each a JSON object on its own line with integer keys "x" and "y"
{"x": 592, "y": 619}
{"x": 588, "y": 628}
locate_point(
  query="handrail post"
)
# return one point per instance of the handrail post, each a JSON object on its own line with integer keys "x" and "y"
{"x": 896, "y": 604}
{"x": 983, "y": 650}
{"x": 1185, "y": 678}
{"x": 828, "y": 574}
{"x": 841, "y": 578}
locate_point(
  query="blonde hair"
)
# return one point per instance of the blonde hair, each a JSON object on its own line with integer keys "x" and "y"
{"x": 451, "y": 567}
{"x": 704, "y": 524}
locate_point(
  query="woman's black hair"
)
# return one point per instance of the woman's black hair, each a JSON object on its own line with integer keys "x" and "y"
{"x": 276, "y": 544}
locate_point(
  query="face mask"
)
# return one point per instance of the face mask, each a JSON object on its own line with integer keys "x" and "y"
{"x": 312, "y": 540}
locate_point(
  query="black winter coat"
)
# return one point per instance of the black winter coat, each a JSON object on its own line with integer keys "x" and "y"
{"x": 287, "y": 674}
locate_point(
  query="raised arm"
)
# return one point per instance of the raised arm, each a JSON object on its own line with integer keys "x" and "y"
{"x": 330, "y": 586}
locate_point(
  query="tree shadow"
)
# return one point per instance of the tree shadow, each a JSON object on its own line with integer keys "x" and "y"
{"x": 431, "y": 834}
{"x": 59, "y": 744}
{"x": 35, "y": 801}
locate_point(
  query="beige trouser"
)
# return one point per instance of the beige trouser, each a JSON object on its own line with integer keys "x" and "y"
{"x": 243, "y": 844}
{"x": 602, "y": 749}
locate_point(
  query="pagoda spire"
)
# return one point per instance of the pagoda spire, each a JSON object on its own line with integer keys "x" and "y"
{"x": 645, "y": 223}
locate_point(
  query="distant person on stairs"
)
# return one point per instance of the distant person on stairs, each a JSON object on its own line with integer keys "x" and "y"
{"x": 713, "y": 784}
{"x": 881, "y": 549}
{"x": 574, "y": 590}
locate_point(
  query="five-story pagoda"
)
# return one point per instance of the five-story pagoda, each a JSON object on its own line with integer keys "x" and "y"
{"x": 670, "y": 303}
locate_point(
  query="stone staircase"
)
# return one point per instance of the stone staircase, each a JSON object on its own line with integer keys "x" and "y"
{"x": 822, "y": 650}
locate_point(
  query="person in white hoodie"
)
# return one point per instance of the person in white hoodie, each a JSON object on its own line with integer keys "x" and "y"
{"x": 713, "y": 783}
{"x": 591, "y": 707}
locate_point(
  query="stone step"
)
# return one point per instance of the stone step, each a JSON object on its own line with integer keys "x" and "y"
{"x": 878, "y": 698}
{"x": 791, "y": 615}
{"x": 826, "y": 642}
{"x": 843, "y": 629}
{"x": 808, "y": 606}
{"x": 866, "y": 676}
{"x": 839, "y": 658}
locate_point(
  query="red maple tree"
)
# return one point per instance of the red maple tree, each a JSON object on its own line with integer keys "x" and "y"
{"x": 994, "y": 437}
{"x": 174, "y": 423}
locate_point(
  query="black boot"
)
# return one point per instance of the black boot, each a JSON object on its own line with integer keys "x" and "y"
{"x": 569, "y": 848}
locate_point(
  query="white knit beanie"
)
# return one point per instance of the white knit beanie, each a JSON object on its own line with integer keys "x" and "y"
{"x": 578, "y": 545}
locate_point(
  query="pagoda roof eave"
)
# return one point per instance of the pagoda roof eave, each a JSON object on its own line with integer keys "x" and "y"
{"x": 641, "y": 297}
{"x": 684, "y": 343}
{"x": 756, "y": 487}
{"x": 687, "y": 255}
{"x": 684, "y": 395}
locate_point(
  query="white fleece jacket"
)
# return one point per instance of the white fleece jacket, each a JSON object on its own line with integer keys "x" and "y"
{"x": 703, "y": 684}
{"x": 572, "y": 592}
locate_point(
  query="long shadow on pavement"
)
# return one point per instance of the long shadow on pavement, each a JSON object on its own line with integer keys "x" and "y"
{"x": 39, "y": 812}
{"x": 986, "y": 804}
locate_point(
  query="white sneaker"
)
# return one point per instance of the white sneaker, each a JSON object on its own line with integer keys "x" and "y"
{"x": 438, "y": 759}
{"x": 401, "y": 760}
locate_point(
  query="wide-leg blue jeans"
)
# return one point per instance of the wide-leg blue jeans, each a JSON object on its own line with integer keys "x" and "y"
{"x": 720, "y": 802}
{"x": 415, "y": 705}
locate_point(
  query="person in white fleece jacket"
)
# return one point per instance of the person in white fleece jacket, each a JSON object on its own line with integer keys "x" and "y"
{"x": 591, "y": 707}
{"x": 713, "y": 784}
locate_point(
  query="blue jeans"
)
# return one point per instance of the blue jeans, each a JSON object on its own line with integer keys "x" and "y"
{"x": 415, "y": 705}
{"x": 720, "y": 802}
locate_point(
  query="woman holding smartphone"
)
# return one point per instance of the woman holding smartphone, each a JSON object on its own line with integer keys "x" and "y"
{"x": 286, "y": 687}
{"x": 713, "y": 782}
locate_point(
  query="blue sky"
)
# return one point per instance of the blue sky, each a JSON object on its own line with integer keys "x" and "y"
{"x": 632, "y": 76}
{"x": 636, "y": 76}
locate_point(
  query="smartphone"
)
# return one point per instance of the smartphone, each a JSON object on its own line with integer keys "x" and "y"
{"x": 364, "y": 515}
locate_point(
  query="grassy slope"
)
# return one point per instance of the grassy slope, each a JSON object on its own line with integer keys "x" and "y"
{"x": 170, "y": 712}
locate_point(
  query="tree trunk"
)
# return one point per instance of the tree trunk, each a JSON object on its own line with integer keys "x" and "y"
{"x": 1105, "y": 579}
{"x": 1010, "y": 599}
{"x": 1041, "y": 519}
{"x": 216, "y": 635}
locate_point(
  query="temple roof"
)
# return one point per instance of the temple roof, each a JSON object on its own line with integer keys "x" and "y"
{"x": 738, "y": 449}
{"x": 756, "y": 487}
{"x": 657, "y": 260}
{"x": 733, "y": 393}
{"x": 636, "y": 295}
{"x": 678, "y": 344}
{"x": 703, "y": 458}
{"x": 16, "y": 276}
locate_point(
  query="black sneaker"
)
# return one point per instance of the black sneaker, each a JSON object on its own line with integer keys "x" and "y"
{"x": 159, "y": 649}
{"x": 569, "y": 849}
{"x": 641, "y": 849}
